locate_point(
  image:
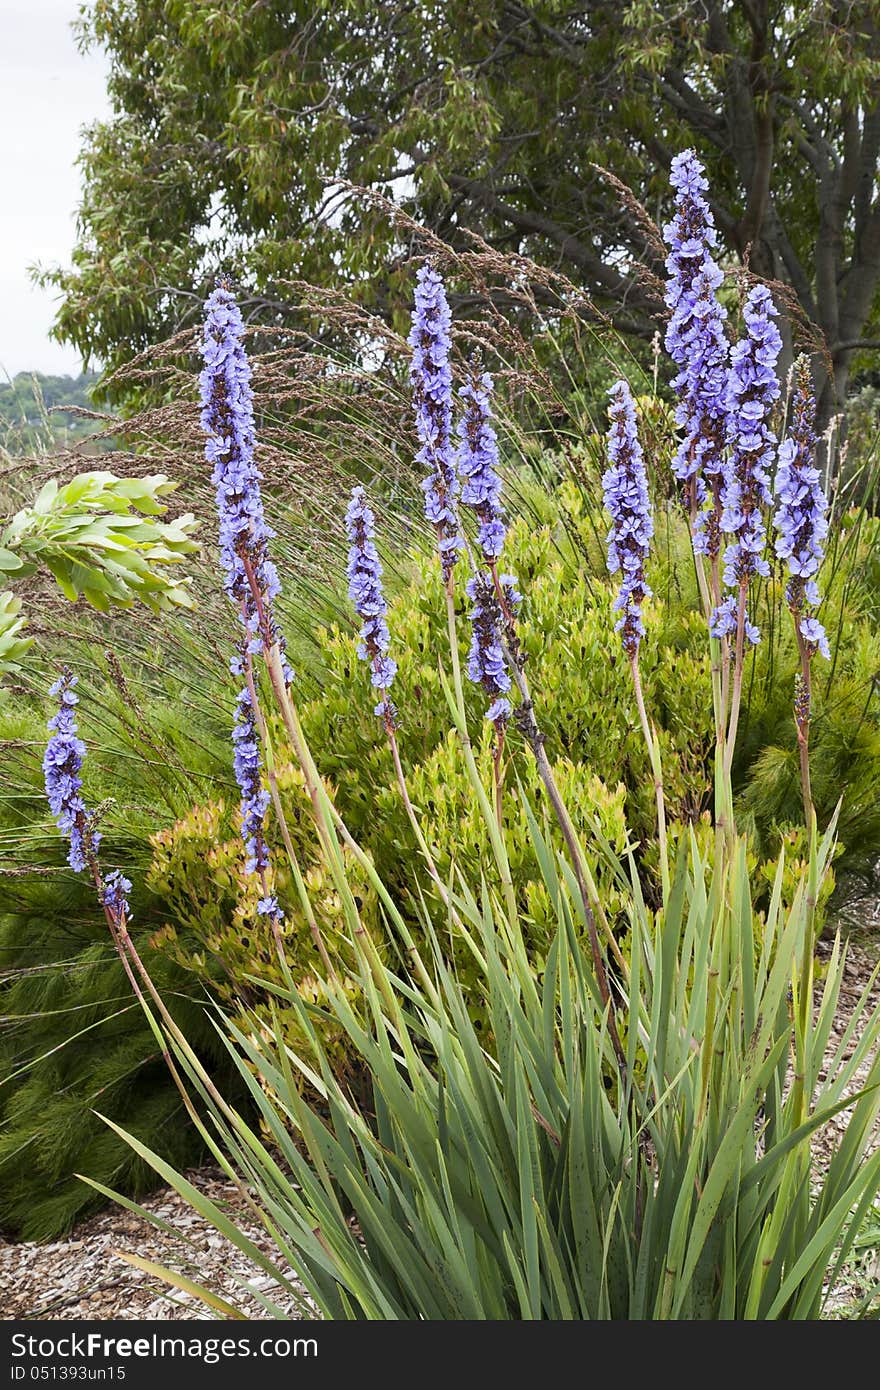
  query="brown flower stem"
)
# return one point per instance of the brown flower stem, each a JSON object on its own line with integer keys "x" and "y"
{"x": 500, "y": 595}
{"x": 525, "y": 716}
{"x": 710, "y": 596}
{"x": 389, "y": 904}
{"x": 411, "y": 813}
{"x": 536, "y": 742}
{"x": 314, "y": 786}
{"x": 720, "y": 655}
{"x": 719, "y": 649}
{"x": 515, "y": 663}
{"x": 515, "y": 660}
{"x": 317, "y": 793}
{"x": 128, "y": 953}
{"x": 134, "y": 966}
{"x": 495, "y": 835}
{"x": 703, "y": 585}
{"x": 324, "y": 826}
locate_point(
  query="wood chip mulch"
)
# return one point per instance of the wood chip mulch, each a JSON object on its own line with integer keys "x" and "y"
{"x": 83, "y": 1276}
{"x": 857, "y": 971}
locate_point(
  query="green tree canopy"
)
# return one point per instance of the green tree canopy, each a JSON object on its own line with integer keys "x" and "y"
{"x": 235, "y": 126}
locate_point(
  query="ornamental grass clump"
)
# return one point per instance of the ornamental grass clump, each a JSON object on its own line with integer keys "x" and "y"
{"x": 631, "y": 1138}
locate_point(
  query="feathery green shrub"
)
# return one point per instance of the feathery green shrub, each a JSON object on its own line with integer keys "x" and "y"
{"x": 70, "y": 1040}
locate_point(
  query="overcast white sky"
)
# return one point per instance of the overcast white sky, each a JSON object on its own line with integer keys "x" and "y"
{"x": 47, "y": 93}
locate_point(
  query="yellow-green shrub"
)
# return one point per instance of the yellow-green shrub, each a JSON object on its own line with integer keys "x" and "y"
{"x": 198, "y": 870}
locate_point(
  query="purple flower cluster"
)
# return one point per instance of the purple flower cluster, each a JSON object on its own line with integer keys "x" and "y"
{"x": 114, "y": 896}
{"x": 486, "y": 664}
{"x": 752, "y": 393}
{"x": 251, "y": 577}
{"x": 724, "y": 621}
{"x": 431, "y": 377}
{"x": 697, "y": 342}
{"x": 801, "y": 508}
{"x": 254, "y": 797}
{"x": 478, "y": 462}
{"x": 62, "y": 764}
{"x": 364, "y": 570}
{"x": 228, "y": 421}
{"x": 625, "y": 489}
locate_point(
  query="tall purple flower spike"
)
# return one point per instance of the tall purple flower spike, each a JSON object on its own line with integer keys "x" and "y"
{"x": 364, "y": 572}
{"x": 62, "y": 768}
{"x": 625, "y": 490}
{"x": 486, "y": 663}
{"x": 481, "y": 491}
{"x": 254, "y": 797}
{"x": 752, "y": 393}
{"x": 228, "y": 421}
{"x": 62, "y": 765}
{"x": 431, "y": 378}
{"x": 697, "y": 342}
{"x": 478, "y": 462}
{"x": 801, "y": 508}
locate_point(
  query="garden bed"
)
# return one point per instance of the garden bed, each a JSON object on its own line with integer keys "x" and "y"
{"x": 84, "y": 1277}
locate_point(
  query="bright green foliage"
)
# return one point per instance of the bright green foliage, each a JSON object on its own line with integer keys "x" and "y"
{"x": 580, "y": 678}
{"x": 198, "y": 872}
{"x": 12, "y": 644}
{"x": 582, "y": 687}
{"x": 98, "y": 537}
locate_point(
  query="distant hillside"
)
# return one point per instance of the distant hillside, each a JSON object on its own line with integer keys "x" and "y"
{"x": 28, "y": 422}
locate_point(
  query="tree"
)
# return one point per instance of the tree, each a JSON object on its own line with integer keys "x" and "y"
{"x": 236, "y": 125}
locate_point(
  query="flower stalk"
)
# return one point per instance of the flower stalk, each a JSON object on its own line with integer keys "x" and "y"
{"x": 628, "y": 503}
{"x": 802, "y": 525}
{"x": 753, "y": 390}
{"x": 364, "y": 571}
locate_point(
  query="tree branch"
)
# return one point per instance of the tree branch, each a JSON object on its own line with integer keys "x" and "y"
{"x": 538, "y": 224}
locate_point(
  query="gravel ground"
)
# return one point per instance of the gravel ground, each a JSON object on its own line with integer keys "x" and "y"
{"x": 83, "y": 1275}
